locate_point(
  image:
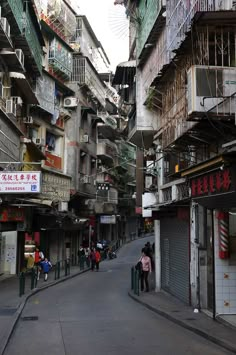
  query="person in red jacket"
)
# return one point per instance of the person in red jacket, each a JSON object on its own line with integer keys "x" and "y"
{"x": 97, "y": 258}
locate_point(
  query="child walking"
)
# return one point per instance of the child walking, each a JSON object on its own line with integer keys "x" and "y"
{"x": 46, "y": 266}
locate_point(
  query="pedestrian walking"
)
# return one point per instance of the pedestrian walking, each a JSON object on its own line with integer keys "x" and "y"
{"x": 38, "y": 257}
{"x": 46, "y": 266}
{"x": 146, "y": 270}
{"x": 87, "y": 256}
{"x": 81, "y": 252}
{"x": 93, "y": 259}
{"x": 97, "y": 259}
{"x": 30, "y": 262}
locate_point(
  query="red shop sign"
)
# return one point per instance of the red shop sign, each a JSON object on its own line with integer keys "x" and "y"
{"x": 217, "y": 182}
{"x": 12, "y": 214}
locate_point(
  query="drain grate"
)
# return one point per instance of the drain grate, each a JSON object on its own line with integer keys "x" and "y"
{"x": 7, "y": 311}
{"x": 30, "y": 318}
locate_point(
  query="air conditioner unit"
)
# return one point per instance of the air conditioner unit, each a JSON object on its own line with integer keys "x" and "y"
{"x": 38, "y": 141}
{"x": 5, "y": 26}
{"x": 17, "y": 100}
{"x": 70, "y": 102}
{"x": 10, "y": 107}
{"x": 224, "y": 5}
{"x": 20, "y": 56}
{"x": 28, "y": 120}
{"x": 85, "y": 179}
{"x": 63, "y": 206}
{"x": 211, "y": 90}
{"x": 85, "y": 138}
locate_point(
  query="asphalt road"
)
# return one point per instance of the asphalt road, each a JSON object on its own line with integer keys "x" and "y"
{"x": 92, "y": 315}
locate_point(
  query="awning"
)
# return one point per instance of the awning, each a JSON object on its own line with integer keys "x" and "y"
{"x": 37, "y": 153}
{"x": 125, "y": 73}
{"x": 12, "y": 60}
{"x": 26, "y": 89}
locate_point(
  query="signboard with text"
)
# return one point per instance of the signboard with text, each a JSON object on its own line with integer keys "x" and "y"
{"x": 16, "y": 182}
{"x": 12, "y": 214}
{"x": 217, "y": 182}
{"x": 108, "y": 219}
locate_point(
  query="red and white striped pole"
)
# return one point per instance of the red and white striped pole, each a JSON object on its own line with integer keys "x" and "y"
{"x": 223, "y": 225}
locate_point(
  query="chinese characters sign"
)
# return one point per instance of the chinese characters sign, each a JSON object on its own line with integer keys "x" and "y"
{"x": 217, "y": 182}
{"x": 12, "y": 214}
{"x": 13, "y": 182}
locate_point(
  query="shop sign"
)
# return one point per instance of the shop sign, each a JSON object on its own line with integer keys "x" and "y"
{"x": 210, "y": 184}
{"x": 12, "y": 214}
{"x": 55, "y": 187}
{"x": 53, "y": 161}
{"x": 13, "y": 182}
{"x": 108, "y": 219}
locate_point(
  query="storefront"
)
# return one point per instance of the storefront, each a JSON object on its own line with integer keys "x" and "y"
{"x": 213, "y": 190}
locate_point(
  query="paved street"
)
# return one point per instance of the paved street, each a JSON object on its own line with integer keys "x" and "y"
{"x": 92, "y": 314}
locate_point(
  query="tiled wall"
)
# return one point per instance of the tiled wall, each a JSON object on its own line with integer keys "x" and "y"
{"x": 225, "y": 277}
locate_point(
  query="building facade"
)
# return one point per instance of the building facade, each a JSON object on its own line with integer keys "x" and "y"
{"x": 185, "y": 98}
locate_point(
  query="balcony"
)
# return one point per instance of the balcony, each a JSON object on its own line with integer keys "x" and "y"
{"x": 24, "y": 30}
{"x": 175, "y": 191}
{"x": 107, "y": 152}
{"x": 85, "y": 74}
{"x": 62, "y": 22}
{"x": 149, "y": 28}
{"x": 59, "y": 61}
{"x": 180, "y": 16}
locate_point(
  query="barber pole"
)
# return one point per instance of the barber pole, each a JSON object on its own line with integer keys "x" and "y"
{"x": 223, "y": 225}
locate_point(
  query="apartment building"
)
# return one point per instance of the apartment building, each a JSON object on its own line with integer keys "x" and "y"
{"x": 185, "y": 98}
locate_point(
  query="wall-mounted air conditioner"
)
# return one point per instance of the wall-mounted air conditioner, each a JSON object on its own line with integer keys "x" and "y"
{"x": 211, "y": 90}
{"x": 17, "y": 100}
{"x": 63, "y": 206}
{"x": 20, "y": 56}
{"x": 28, "y": 120}
{"x": 38, "y": 141}
{"x": 85, "y": 179}
{"x": 85, "y": 138}
{"x": 70, "y": 102}
{"x": 10, "y": 107}
{"x": 5, "y": 26}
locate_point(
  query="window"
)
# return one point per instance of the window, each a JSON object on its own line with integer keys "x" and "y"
{"x": 53, "y": 143}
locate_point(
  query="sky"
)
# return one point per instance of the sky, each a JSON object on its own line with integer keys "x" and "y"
{"x": 110, "y": 25}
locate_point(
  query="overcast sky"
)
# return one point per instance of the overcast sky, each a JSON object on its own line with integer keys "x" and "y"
{"x": 110, "y": 26}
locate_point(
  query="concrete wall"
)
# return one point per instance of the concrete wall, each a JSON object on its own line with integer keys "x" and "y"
{"x": 8, "y": 253}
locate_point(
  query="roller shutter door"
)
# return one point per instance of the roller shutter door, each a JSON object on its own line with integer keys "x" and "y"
{"x": 175, "y": 257}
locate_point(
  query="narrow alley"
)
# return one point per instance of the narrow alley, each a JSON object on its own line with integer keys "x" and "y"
{"x": 92, "y": 313}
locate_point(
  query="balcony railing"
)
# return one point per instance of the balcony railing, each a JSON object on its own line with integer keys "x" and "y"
{"x": 60, "y": 60}
{"x": 180, "y": 14}
{"x": 85, "y": 74}
{"x": 107, "y": 149}
{"x": 27, "y": 30}
{"x": 149, "y": 15}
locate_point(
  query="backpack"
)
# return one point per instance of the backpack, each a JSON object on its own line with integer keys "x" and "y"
{"x": 139, "y": 266}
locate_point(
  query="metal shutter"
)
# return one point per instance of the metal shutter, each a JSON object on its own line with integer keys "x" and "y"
{"x": 175, "y": 257}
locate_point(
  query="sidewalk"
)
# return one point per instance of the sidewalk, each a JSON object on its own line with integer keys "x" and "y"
{"x": 183, "y": 315}
{"x": 11, "y": 305}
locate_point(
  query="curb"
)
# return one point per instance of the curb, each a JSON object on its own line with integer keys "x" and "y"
{"x": 197, "y": 331}
{"x": 12, "y": 326}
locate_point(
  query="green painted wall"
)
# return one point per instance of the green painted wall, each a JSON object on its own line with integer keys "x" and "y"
{"x": 148, "y": 11}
